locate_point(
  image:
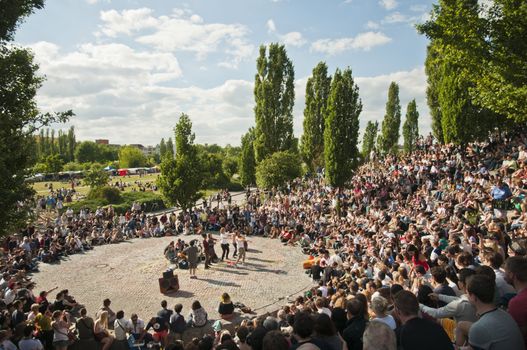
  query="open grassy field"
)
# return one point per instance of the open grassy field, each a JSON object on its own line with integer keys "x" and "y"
{"x": 42, "y": 188}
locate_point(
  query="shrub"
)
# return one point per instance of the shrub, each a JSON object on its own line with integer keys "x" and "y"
{"x": 110, "y": 195}
{"x": 276, "y": 170}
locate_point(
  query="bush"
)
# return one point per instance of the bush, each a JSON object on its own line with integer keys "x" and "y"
{"x": 110, "y": 195}
{"x": 276, "y": 170}
{"x": 149, "y": 201}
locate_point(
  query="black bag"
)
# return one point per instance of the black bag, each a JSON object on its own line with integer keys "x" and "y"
{"x": 183, "y": 265}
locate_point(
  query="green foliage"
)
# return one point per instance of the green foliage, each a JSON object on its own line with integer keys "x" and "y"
{"x": 342, "y": 128}
{"x": 389, "y": 137}
{"x": 213, "y": 174}
{"x": 170, "y": 148}
{"x": 131, "y": 157}
{"x": 149, "y": 201}
{"x": 230, "y": 166}
{"x": 88, "y": 151}
{"x": 47, "y": 145}
{"x": 53, "y": 163}
{"x": 111, "y": 195}
{"x": 368, "y": 141}
{"x": 247, "y": 159}
{"x": 312, "y": 141}
{"x": 274, "y": 96}
{"x": 432, "y": 91}
{"x": 19, "y": 117}
{"x": 182, "y": 177}
{"x": 411, "y": 127}
{"x": 276, "y": 170}
{"x": 12, "y": 12}
{"x": 476, "y": 75}
{"x": 96, "y": 177}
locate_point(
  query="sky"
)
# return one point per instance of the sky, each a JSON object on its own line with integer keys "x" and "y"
{"x": 129, "y": 68}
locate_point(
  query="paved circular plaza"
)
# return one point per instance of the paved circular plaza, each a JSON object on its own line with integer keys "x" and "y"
{"x": 128, "y": 273}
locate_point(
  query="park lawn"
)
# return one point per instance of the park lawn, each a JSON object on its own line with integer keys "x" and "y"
{"x": 41, "y": 189}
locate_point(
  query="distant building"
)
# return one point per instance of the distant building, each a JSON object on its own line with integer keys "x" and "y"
{"x": 102, "y": 141}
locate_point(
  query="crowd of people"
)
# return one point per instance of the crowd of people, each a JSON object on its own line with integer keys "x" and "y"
{"x": 425, "y": 250}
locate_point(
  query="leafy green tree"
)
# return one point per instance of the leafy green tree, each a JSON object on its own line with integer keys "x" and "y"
{"x": 312, "y": 141}
{"x": 230, "y": 166}
{"x": 182, "y": 177}
{"x": 53, "y": 163}
{"x": 411, "y": 127}
{"x": 274, "y": 96}
{"x": 170, "y": 148}
{"x": 342, "y": 128}
{"x": 432, "y": 70}
{"x": 213, "y": 174}
{"x": 247, "y": 159}
{"x": 277, "y": 169}
{"x": 162, "y": 148}
{"x": 131, "y": 157}
{"x": 368, "y": 140}
{"x": 458, "y": 35}
{"x": 389, "y": 137}
{"x": 96, "y": 177}
{"x": 19, "y": 116}
{"x": 87, "y": 151}
{"x": 72, "y": 142}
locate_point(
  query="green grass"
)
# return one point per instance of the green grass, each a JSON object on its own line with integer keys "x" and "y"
{"x": 41, "y": 189}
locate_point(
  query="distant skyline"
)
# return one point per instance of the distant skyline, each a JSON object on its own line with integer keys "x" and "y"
{"x": 129, "y": 68}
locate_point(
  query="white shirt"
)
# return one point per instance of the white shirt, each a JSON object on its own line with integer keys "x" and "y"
{"x": 324, "y": 310}
{"x": 139, "y": 326}
{"x": 224, "y": 238}
{"x": 388, "y": 320}
{"x": 9, "y": 296}
{"x": 118, "y": 325}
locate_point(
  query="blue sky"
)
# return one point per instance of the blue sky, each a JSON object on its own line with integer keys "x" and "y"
{"x": 129, "y": 68}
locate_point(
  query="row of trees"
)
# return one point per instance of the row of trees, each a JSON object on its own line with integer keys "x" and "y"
{"x": 331, "y": 123}
{"x": 476, "y": 67}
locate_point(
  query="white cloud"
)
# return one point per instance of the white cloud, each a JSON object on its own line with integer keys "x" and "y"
{"x": 388, "y": 4}
{"x": 372, "y": 25}
{"x": 112, "y": 86}
{"x": 290, "y": 39}
{"x": 397, "y": 17}
{"x": 363, "y": 41}
{"x": 182, "y": 30}
{"x": 347, "y": 1}
{"x": 271, "y": 27}
{"x": 374, "y": 93}
{"x": 293, "y": 39}
{"x": 93, "y": 2}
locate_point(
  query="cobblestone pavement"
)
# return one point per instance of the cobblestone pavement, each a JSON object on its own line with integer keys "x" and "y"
{"x": 128, "y": 273}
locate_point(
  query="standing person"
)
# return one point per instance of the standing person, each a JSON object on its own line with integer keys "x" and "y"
{"x": 206, "y": 250}
{"x": 224, "y": 241}
{"x": 191, "y": 253}
{"x": 240, "y": 242}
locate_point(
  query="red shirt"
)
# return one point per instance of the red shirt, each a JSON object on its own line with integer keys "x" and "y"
{"x": 518, "y": 311}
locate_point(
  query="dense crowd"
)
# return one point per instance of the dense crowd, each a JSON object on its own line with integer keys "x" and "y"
{"x": 425, "y": 250}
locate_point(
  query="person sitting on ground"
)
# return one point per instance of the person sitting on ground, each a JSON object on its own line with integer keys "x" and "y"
{"x": 28, "y": 342}
{"x": 121, "y": 327}
{"x": 198, "y": 316}
{"x": 106, "y": 307}
{"x": 379, "y": 336}
{"x": 416, "y": 331}
{"x": 226, "y": 307}
{"x": 100, "y": 330}
{"x": 138, "y": 331}
{"x": 177, "y": 323}
{"x": 495, "y": 328}
{"x": 379, "y": 306}
{"x": 85, "y": 326}
{"x": 160, "y": 327}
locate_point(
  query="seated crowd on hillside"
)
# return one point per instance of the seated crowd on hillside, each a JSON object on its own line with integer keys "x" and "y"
{"x": 425, "y": 250}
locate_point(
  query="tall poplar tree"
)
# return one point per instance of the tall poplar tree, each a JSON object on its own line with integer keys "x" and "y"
{"x": 312, "y": 141}
{"x": 162, "y": 148}
{"x": 247, "y": 162}
{"x": 368, "y": 140}
{"x": 274, "y": 96}
{"x": 170, "y": 148}
{"x": 411, "y": 127}
{"x": 341, "y": 131}
{"x": 389, "y": 137}
{"x": 432, "y": 90}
